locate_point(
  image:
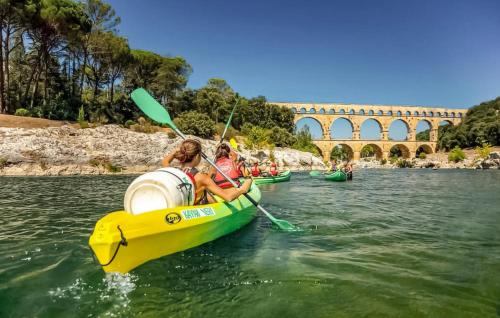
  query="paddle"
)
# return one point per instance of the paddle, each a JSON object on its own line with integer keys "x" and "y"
{"x": 229, "y": 121}
{"x": 158, "y": 113}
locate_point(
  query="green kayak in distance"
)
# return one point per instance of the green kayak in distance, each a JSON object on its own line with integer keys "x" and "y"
{"x": 336, "y": 176}
{"x": 316, "y": 173}
{"x": 282, "y": 177}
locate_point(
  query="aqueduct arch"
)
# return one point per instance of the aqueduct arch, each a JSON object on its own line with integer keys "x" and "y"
{"x": 356, "y": 114}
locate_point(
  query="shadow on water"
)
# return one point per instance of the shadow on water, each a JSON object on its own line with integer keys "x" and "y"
{"x": 389, "y": 243}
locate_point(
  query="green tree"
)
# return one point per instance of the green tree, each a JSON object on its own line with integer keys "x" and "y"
{"x": 280, "y": 137}
{"x": 194, "y": 123}
{"x": 367, "y": 151}
{"x": 304, "y": 141}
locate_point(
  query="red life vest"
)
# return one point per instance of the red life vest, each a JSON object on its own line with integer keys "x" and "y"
{"x": 229, "y": 168}
{"x": 255, "y": 171}
{"x": 273, "y": 170}
{"x": 240, "y": 167}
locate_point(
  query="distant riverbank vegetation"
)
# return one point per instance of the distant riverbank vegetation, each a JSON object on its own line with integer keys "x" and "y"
{"x": 65, "y": 60}
{"x": 480, "y": 127}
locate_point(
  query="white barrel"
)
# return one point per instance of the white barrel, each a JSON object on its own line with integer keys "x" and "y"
{"x": 160, "y": 189}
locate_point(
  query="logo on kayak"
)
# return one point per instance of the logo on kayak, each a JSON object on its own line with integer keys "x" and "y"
{"x": 197, "y": 213}
{"x": 173, "y": 218}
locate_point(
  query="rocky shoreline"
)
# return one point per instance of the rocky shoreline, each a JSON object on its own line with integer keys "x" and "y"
{"x": 111, "y": 149}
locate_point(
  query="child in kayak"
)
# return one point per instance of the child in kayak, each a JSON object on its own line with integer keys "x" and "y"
{"x": 225, "y": 163}
{"x": 273, "y": 170}
{"x": 255, "y": 170}
{"x": 189, "y": 155}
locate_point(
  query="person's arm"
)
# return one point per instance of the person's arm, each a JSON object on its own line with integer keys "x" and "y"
{"x": 228, "y": 194}
{"x": 168, "y": 159}
{"x": 212, "y": 172}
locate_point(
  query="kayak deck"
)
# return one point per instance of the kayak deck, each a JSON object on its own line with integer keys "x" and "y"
{"x": 282, "y": 177}
{"x": 122, "y": 241}
{"x": 336, "y": 176}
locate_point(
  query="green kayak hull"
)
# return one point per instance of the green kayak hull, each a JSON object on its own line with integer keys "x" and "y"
{"x": 282, "y": 177}
{"x": 336, "y": 176}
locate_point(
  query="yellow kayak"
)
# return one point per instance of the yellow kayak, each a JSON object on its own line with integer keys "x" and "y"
{"x": 122, "y": 241}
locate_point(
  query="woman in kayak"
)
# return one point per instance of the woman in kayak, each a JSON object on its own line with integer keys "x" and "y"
{"x": 225, "y": 163}
{"x": 189, "y": 155}
{"x": 255, "y": 170}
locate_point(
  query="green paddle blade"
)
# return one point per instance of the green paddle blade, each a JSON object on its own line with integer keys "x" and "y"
{"x": 151, "y": 107}
{"x": 315, "y": 173}
{"x": 285, "y": 225}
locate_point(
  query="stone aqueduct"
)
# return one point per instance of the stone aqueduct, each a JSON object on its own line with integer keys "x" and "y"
{"x": 326, "y": 114}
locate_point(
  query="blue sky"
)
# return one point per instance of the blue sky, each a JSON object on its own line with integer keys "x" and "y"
{"x": 437, "y": 53}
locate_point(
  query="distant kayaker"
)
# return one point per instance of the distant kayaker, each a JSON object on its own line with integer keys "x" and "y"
{"x": 348, "y": 170}
{"x": 227, "y": 164}
{"x": 273, "y": 170}
{"x": 255, "y": 170}
{"x": 242, "y": 169}
{"x": 333, "y": 166}
{"x": 189, "y": 155}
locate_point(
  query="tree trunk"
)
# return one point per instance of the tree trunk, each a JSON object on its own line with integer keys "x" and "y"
{"x": 84, "y": 66}
{"x": 112, "y": 92}
{"x": 8, "y": 105}
{"x": 35, "y": 89}
{"x": 3, "y": 108}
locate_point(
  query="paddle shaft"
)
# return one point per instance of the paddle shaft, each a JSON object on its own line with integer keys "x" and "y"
{"x": 234, "y": 184}
{"x": 229, "y": 121}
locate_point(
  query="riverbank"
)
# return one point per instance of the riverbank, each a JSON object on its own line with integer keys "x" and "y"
{"x": 109, "y": 149}
{"x": 49, "y": 148}
{"x": 437, "y": 160}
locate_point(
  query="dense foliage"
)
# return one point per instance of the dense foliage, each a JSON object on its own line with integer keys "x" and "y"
{"x": 194, "y": 123}
{"x": 64, "y": 58}
{"x": 480, "y": 125}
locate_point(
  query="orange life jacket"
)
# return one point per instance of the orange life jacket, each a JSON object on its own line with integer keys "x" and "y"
{"x": 255, "y": 171}
{"x": 229, "y": 168}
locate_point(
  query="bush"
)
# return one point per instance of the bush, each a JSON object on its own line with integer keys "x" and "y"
{"x": 144, "y": 126}
{"x": 129, "y": 123}
{"x": 256, "y": 137}
{"x": 3, "y": 162}
{"x": 422, "y": 155}
{"x": 22, "y": 112}
{"x": 113, "y": 168}
{"x": 403, "y": 163}
{"x": 484, "y": 151}
{"x": 194, "y": 123}
{"x": 383, "y": 161}
{"x": 456, "y": 155}
{"x": 393, "y": 159}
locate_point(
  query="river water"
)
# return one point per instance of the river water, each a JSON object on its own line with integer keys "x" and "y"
{"x": 391, "y": 243}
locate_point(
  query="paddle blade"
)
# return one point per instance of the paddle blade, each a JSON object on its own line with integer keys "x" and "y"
{"x": 284, "y": 225}
{"x": 151, "y": 107}
{"x": 233, "y": 143}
